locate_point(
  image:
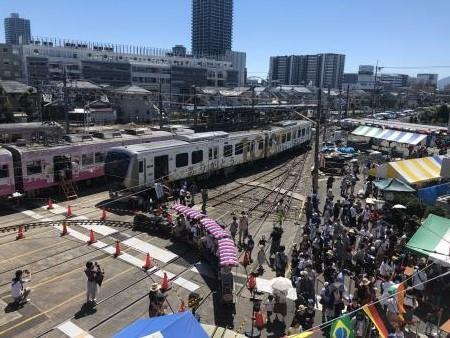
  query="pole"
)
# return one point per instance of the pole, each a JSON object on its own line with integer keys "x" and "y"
{"x": 327, "y": 115}
{"x": 347, "y": 104}
{"x": 160, "y": 104}
{"x": 195, "y": 104}
{"x": 316, "y": 143}
{"x": 374, "y": 89}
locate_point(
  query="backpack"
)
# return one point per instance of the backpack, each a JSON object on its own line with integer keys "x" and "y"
{"x": 99, "y": 277}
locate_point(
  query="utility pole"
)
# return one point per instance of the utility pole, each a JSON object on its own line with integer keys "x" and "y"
{"x": 160, "y": 104}
{"x": 316, "y": 143}
{"x": 340, "y": 102}
{"x": 327, "y": 116}
{"x": 347, "y": 103}
{"x": 65, "y": 105}
{"x": 195, "y": 104}
{"x": 374, "y": 89}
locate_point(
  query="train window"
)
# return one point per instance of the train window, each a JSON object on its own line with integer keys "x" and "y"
{"x": 34, "y": 167}
{"x": 260, "y": 145}
{"x": 298, "y": 133}
{"x": 197, "y": 156}
{"x": 289, "y": 137}
{"x": 252, "y": 146}
{"x": 303, "y": 132}
{"x": 87, "y": 159}
{"x": 212, "y": 151}
{"x": 141, "y": 166}
{"x": 181, "y": 160}
{"x": 99, "y": 157}
{"x": 283, "y": 138}
{"x": 4, "y": 172}
{"x": 227, "y": 150}
{"x": 238, "y": 148}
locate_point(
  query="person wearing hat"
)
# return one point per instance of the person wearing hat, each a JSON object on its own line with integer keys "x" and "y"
{"x": 281, "y": 261}
{"x": 299, "y": 319}
{"x": 364, "y": 293}
{"x": 156, "y": 300}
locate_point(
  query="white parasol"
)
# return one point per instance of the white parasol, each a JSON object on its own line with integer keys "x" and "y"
{"x": 399, "y": 206}
{"x": 281, "y": 284}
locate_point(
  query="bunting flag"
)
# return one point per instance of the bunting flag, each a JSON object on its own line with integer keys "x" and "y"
{"x": 302, "y": 335}
{"x": 399, "y": 291}
{"x": 342, "y": 328}
{"x": 378, "y": 317}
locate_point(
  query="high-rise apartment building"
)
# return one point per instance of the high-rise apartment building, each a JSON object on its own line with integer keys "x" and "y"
{"x": 212, "y": 27}
{"x": 17, "y": 30}
{"x": 325, "y": 70}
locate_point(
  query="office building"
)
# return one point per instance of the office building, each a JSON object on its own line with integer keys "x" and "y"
{"x": 391, "y": 81}
{"x": 427, "y": 79}
{"x": 320, "y": 70}
{"x": 11, "y": 63}
{"x": 17, "y": 30}
{"x": 212, "y": 27}
{"x": 174, "y": 72}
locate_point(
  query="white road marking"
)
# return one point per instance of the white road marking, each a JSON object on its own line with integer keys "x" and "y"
{"x": 98, "y": 228}
{"x": 72, "y": 330}
{"x": 180, "y": 281}
{"x": 155, "y": 252}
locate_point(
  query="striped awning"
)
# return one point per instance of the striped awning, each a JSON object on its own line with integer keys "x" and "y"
{"x": 389, "y": 135}
{"x": 414, "y": 171}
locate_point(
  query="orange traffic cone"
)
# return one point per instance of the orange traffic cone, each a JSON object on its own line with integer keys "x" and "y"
{"x": 69, "y": 212}
{"x": 103, "y": 215}
{"x": 64, "y": 229}
{"x": 148, "y": 263}
{"x": 165, "y": 283}
{"x": 50, "y": 204}
{"x": 117, "y": 253}
{"x": 251, "y": 282}
{"x": 182, "y": 307}
{"x": 259, "y": 320}
{"x": 20, "y": 233}
{"x": 91, "y": 237}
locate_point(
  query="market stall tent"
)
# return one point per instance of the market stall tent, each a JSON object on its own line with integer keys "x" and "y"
{"x": 390, "y": 135}
{"x": 393, "y": 185}
{"x": 413, "y": 171}
{"x": 432, "y": 239}
{"x": 182, "y": 324}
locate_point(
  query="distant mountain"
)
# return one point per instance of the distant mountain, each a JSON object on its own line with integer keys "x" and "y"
{"x": 442, "y": 83}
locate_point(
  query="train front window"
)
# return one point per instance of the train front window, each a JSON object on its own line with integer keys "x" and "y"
{"x": 116, "y": 165}
{"x": 4, "y": 171}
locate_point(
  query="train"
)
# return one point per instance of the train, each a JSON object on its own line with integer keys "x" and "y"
{"x": 139, "y": 157}
{"x": 28, "y": 167}
{"x": 138, "y": 167}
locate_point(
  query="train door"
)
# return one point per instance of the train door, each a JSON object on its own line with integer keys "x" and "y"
{"x": 62, "y": 168}
{"x": 213, "y": 158}
{"x": 161, "y": 165}
{"x": 142, "y": 171}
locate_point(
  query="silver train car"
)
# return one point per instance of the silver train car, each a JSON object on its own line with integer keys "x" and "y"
{"x": 137, "y": 167}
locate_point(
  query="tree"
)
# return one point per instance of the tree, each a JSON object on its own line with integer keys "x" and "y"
{"x": 442, "y": 114}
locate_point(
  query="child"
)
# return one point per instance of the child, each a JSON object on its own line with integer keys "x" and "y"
{"x": 269, "y": 307}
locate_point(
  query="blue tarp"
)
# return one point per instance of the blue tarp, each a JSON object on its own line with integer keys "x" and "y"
{"x": 431, "y": 194}
{"x": 178, "y": 325}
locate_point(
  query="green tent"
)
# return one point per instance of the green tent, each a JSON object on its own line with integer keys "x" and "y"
{"x": 433, "y": 239}
{"x": 393, "y": 185}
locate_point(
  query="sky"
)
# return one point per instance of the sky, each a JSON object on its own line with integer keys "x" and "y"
{"x": 397, "y": 33}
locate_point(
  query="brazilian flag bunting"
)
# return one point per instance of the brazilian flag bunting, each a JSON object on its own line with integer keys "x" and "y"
{"x": 342, "y": 328}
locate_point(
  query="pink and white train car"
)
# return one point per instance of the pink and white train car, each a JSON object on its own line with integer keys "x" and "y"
{"x": 39, "y": 167}
{"x": 7, "y": 186}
